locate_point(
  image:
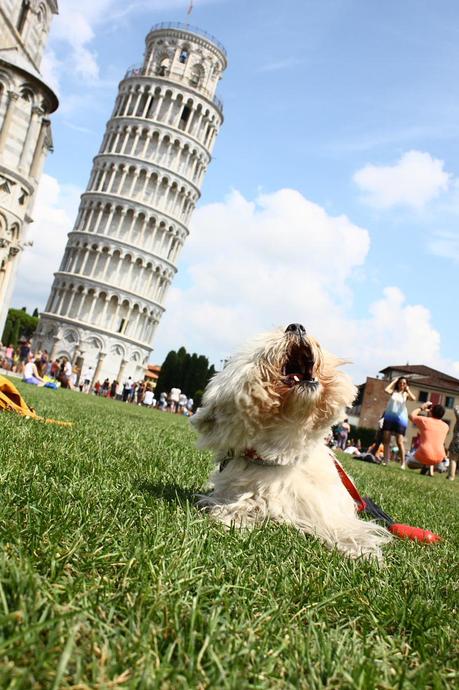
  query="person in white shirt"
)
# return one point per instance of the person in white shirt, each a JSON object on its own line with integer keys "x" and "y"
{"x": 87, "y": 379}
{"x": 174, "y": 397}
{"x": 182, "y": 403}
{"x": 148, "y": 397}
{"x": 70, "y": 374}
{"x": 30, "y": 372}
{"x": 127, "y": 388}
{"x": 396, "y": 417}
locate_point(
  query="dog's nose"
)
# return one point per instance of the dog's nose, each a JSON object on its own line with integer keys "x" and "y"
{"x": 296, "y": 329}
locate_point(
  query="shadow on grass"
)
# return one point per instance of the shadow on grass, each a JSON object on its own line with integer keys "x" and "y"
{"x": 168, "y": 492}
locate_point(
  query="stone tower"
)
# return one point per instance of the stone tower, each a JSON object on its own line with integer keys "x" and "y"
{"x": 108, "y": 294}
{"x": 25, "y": 130}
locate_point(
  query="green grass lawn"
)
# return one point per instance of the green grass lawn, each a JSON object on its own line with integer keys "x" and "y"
{"x": 110, "y": 577}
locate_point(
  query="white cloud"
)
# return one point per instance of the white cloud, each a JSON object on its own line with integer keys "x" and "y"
{"x": 75, "y": 27}
{"x": 445, "y": 243}
{"x": 250, "y": 266}
{"x": 400, "y": 332}
{"x": 50, "y": 68}
{"x": 414, "y": 181}
{"x": 54, "y": 215}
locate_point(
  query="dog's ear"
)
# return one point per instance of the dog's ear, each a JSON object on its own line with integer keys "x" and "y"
{"x": 204, "y": 419}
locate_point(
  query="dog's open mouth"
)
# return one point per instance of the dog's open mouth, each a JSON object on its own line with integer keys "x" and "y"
{"x": 299, "y": 367}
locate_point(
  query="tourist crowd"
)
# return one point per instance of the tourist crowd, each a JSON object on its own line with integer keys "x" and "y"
{"x": 140, "y": 393}
{"x": 428, "y": 452}
{"x": 40, "y": 370}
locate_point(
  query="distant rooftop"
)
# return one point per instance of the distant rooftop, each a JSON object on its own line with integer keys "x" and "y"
{"x": 425, "y": 375}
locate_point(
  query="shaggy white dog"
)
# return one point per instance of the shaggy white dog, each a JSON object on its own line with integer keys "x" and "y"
{"x": 265, "y": 417}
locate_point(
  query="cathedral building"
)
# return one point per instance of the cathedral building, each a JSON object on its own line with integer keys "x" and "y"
{"x": 109, "y": 292}
{"x": 26, "y": 102}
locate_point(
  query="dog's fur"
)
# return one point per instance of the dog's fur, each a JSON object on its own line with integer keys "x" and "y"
{"x": 258, "y": 407}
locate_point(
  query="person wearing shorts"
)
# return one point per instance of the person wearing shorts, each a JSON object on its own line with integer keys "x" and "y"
{"x": 433, "y": 432}
{"x": 396, "y": 417}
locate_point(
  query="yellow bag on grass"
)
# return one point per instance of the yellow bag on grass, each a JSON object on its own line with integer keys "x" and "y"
{"x": 12, "y": 401}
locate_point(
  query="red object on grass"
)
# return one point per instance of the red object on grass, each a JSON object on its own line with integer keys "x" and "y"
{"x": 415, "y": 533}
{"x": 367, "y": 505}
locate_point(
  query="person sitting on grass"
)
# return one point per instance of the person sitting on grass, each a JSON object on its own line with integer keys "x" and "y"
{"x": 30, "y": 373}
{"x": 374, "y": 454}
{"x": 433, "y": 432}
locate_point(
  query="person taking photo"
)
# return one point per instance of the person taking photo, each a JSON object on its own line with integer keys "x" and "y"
{"x": 433, "y": 432}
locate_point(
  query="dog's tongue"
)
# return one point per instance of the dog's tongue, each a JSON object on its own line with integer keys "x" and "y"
{"x": 291, "y": 379}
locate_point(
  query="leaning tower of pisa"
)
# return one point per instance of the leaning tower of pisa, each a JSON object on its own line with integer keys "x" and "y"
{"x": 108, "y": 294}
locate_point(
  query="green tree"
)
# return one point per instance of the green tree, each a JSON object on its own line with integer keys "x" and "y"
{"x": 190, "y": 373}
{"x": 19, "y": 324}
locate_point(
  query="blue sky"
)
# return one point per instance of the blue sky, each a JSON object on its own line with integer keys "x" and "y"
{"x": 333, "y": 196}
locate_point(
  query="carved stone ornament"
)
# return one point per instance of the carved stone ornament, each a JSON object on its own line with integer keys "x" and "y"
{"x": 6, "y": 184}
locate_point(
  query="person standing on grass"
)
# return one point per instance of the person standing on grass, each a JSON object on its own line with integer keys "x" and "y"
{"x": 24, "y": 351}
{"x": 9, "y": 354}
{"x": 396, "y": 417}
{"x": 453, "y": 451}
{"x": 174, "y": 397}
{"x": 127, "y": 388}
{"x": 105, "y": 389}
{"x": 65, "y": 373}
{"x": 140, "y": 392}
{"x": 343, "y": 433}
{"x": 133, "y": 392}
{"x": 113, "y": 388}
{"x": 87, "y": 379}
{"x": 433, "y": 432}
{"x": 54, "y": 369}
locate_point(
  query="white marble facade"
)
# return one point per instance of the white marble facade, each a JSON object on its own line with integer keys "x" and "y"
{"x": 108, "y": 294}
{"x": 25, "y": 130}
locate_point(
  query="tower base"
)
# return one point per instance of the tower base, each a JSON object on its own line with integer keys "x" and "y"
{"x": 112, "y": 357}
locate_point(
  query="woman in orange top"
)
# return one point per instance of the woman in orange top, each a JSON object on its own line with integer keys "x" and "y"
{"x": 433, "y": 432}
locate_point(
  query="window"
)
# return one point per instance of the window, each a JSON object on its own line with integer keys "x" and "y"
{"x": 122, "y": 325}
{"x": 163, "y": 67}
{"x": 197, "y": 75}
{"x": 423, "y": 396}
{"x": 22, "y": 15}
{"x": 449, "y": 402}
{"x": 184, "y": 116}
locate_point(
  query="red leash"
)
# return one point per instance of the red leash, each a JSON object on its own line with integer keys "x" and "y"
{"x": 364, "y": 505}
{"x": 368, "y": 506}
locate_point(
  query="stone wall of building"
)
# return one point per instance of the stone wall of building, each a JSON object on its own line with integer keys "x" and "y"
{"x": 25, "y": 130}
{"x": 374, "y": 402}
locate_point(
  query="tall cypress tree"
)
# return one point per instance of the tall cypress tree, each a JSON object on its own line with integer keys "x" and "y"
{"x": 190, "y": 373}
